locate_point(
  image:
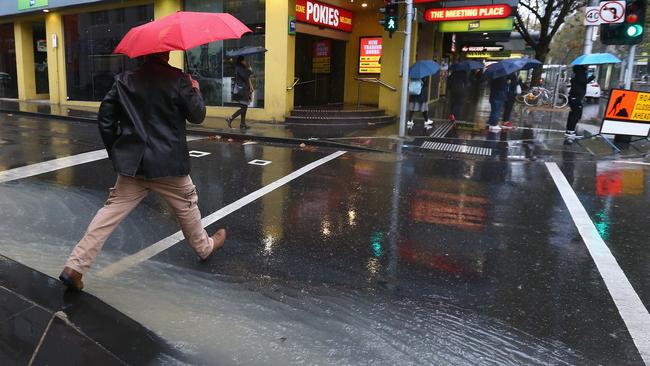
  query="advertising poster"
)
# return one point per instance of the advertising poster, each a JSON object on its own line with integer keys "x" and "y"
{"x": 370, "y": 55}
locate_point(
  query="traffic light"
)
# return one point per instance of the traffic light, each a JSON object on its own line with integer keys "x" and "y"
{"x": 391, "y": 16}
{"x": 631, "y": 30}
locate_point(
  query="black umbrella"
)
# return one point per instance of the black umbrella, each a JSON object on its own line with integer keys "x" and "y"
{"x": 246, "y": 51}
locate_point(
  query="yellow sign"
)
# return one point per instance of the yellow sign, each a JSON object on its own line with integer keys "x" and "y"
{"x": 370, "y": 55}
{"x": 320, "y": 65}
{"x": 642, "y": 108}
{"x": 482, "y": 25}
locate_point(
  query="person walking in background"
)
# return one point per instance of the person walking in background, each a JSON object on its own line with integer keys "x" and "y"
{"x": 418, "y": 100}
{"x": 514, "y": 88}
{"x": 142, "y": 124}
{"x": 578, "y": 90}
{"x": 498, "y": 97}
{"x": 458, "y": 83}
{"x": 242, "y": 91}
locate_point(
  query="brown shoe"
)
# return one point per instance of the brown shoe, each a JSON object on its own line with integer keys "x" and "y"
{"x": 219, "y": 239}
{"x": 72, "y": 279}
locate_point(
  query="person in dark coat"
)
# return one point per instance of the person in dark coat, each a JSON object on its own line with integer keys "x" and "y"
{"x": 498, "y": 97}
{"x": 513, "y": 82}
{"x": 142, "y": 124}
{"x": 242, "y": 91}
{"x": 578, "y": 90}
{"x": 458, "y": 83}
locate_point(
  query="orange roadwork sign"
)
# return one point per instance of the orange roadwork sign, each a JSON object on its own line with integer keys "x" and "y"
{"x": 627, "y": 105}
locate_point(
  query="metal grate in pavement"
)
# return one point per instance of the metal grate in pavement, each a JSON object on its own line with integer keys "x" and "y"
{"x": 455, "y": 148}
{"x": 443, "y": 129}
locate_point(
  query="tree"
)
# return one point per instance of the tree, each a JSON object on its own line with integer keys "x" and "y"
{"x": 545, "y": 16}
{"x": 567, "y": 43}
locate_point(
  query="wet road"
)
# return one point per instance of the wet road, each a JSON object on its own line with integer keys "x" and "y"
{"x": 369, "y": 259}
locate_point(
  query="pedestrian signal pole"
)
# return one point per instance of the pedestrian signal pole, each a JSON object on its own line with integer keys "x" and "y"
{"x": 630, "y": 67}
{"x": 406, "y": 60}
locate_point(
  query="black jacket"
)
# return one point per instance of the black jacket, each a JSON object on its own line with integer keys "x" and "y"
{"x": 499, "y": 89}
{"x": 142, "y": 120}
{"x": 579, "y": 83}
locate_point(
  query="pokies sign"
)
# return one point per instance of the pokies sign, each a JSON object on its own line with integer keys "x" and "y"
{"x": 323, "y": 15}
{"x": 497, "y": 11}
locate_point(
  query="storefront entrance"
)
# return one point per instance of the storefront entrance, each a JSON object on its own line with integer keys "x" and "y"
{"x": 320, "y": 66}
{"x": 40, "y": 58}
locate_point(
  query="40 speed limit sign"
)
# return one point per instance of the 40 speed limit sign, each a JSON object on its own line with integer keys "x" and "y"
{"x": 607, "y": 12}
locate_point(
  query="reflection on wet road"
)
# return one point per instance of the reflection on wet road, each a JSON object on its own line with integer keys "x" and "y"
{"x": 368, "y": 259}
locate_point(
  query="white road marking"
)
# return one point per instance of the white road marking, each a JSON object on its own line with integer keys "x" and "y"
{"x": 627, "y": 301}
{"x": 259, "y": 162}
{"x": 166, "y": 243}
{"x": 198, "y": 154}
{"x": 51, "y": 165}
{"x": 60, "y": 163}
{"x": 631, "y": 162}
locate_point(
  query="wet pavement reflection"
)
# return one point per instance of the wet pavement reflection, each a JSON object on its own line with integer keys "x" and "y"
{"x": 369, "y": 259}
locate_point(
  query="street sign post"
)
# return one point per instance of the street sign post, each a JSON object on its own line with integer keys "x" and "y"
{"x": 607, "y": 12}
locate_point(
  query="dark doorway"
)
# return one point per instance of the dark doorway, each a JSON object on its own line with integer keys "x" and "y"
{"x": 40, "y": 58}
{"x": 320, "y": 65}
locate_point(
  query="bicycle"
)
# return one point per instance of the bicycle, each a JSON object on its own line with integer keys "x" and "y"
{"x": 542, "y": 96}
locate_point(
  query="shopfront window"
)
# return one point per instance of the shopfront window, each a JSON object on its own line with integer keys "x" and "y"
{"x": 8, "y": 73}
{"x": 210, "y": 65}
{"x": 90, "y": 39}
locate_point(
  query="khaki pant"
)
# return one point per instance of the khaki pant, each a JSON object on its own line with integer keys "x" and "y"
{"x": 180, "y": 194}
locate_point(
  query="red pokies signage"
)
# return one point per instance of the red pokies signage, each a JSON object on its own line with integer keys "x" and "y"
{"x": 323, "y": 15}
{"x": 468, "y": 13}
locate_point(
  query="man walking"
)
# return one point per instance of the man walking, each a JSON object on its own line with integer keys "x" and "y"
{"x": 142, "y": 123}
{"x": 579, "y": 83}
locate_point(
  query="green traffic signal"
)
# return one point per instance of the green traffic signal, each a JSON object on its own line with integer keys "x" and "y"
{"x": 390, "y": 24}
{"x": 634, "y": 30}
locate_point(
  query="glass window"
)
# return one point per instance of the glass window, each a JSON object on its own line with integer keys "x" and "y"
{"x": 90, "y": 39}
{"x": 209, "y": 64}
{"x": 8, "y": 73}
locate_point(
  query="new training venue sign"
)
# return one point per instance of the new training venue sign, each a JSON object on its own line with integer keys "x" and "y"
{"x": 628, "y": 113}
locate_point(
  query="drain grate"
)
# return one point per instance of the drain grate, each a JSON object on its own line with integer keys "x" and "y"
{"x": 455, "y": 148}
{"x": 443, "y": 129}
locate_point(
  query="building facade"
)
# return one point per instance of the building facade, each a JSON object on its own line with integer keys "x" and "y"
{"x": 319, "y": 52}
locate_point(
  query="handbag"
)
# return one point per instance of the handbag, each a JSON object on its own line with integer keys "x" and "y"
{"x": 518, "y": 89}
{"x": 237, "y": 88}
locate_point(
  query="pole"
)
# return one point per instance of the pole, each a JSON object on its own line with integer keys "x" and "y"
{"x": 589, "y": 30}
{"x": 406, "y": 57}
{"x": 630, "y": 67}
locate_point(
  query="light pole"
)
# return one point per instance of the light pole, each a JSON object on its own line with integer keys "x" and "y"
{"x": 406, "y": 60}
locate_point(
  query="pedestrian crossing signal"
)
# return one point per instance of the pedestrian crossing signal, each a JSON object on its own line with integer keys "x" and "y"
{"x": 391, "y": 16}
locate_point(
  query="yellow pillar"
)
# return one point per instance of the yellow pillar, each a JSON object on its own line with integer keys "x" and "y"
{"x": 25, "y": 60}
{"x": 279, "y": 62}
{"x": 162, "y": 8}
{"x": 55, "y": 57}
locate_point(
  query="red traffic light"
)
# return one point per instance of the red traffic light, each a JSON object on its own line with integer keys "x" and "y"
{"x": 632, "y": 18}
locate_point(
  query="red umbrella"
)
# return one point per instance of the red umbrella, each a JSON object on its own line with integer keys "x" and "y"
{"x": 180, "y": 31}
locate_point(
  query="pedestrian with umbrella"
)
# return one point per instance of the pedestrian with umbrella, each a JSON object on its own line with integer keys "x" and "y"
{"x": 458, "y": 83}
{"x": 498, "y": 74}
{"x": 579, "y": 83}
{"x": 419, "y": 74}
{"x": 242, "y": 91}
{"x": 142, "y": 124}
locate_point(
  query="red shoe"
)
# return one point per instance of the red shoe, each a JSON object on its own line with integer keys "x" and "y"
{"x": 452, "y": 117}
{"x": 508, "y": 125}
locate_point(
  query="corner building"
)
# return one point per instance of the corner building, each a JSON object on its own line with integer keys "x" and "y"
{"x": 320, "y": 53}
